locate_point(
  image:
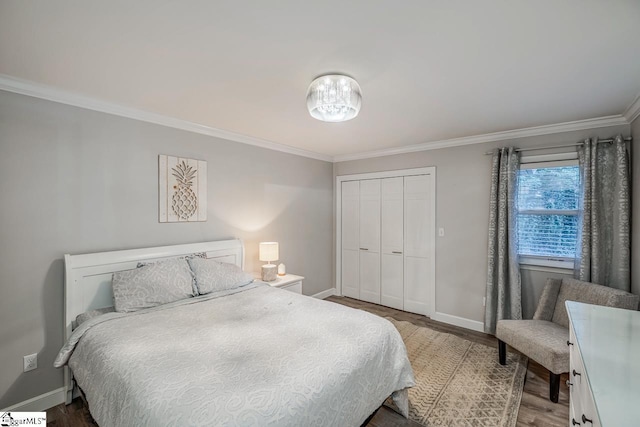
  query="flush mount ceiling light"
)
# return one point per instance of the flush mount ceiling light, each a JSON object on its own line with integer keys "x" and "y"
{"x": 334, "y": 98}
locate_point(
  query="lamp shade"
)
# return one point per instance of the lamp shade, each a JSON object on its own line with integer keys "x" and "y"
{"x": 269, "y": 251}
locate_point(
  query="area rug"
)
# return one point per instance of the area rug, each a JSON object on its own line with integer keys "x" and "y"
{"x": 458, "y": 382}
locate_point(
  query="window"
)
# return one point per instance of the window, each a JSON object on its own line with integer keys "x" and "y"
{"x": 548, "y": 196}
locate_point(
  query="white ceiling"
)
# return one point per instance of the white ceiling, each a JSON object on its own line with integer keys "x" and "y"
{"x": 429, "y": 70}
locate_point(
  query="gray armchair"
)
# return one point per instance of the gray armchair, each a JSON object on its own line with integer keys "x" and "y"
{"x": 544, "y": 338}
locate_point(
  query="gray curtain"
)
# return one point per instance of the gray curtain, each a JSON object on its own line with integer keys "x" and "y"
{"x": 503, "y": 275}
{"x": 604, "y": 245}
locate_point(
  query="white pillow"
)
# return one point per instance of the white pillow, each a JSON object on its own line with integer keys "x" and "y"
{"x": 212, "y": 275}
{"x": 151, "y": 285}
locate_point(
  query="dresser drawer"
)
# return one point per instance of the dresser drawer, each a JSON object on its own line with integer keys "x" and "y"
{"x": 588, "y": 408}
{"x": 574, "y": 412}
{"x": 581, "y": 399}
{"x": 293, "y": 287}
{"x": 576, "y": 370}
{"x": 575, "y": 397}
{"x": 288, "y": 282}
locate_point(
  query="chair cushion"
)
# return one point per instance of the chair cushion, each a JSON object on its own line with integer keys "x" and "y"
{"x": 543, "y": 341}
{"x": 590, "y": 293}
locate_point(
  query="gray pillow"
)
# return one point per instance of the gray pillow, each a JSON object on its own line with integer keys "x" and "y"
{"x": 185, "y": 257}
{"x": 212, "y": 275}
{"x": 152, "y": 284}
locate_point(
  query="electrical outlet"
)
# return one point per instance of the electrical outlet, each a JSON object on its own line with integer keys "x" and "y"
{"x": 30, "y": 362}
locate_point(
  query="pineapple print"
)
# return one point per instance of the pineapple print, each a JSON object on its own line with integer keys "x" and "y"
{"x": 184, "y": 201}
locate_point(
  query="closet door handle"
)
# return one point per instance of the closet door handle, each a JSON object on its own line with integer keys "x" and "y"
{"x": 586, "y": 420}
{"x": 396, "y": 252}
{"x": 364, "y": 249}
{"x": 574, "y": 422}
{"x": 569, "y": 342}
{"x": 575, "y": 374}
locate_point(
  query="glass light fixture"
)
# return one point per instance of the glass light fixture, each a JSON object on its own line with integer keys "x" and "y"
{"x": 334, "y": 98}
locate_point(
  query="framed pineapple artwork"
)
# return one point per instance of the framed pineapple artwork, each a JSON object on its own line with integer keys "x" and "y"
{"x": 182, "y": 185}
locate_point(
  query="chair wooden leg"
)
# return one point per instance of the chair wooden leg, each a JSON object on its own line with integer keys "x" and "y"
{"x": 554, "y": 386}
{"x": 502, "y": 352}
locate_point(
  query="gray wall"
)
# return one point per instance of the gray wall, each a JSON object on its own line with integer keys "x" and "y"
{"x": 635, "y": 207}
{"x": 462, "y": 204}
{"x": 77, "y": 181}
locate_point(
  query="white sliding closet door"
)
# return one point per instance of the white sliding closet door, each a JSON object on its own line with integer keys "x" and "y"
{"x": 418, "y": 236}
{"x": 392, "y": 265}
{"x": 370, "y": 240}
{"x": 351, "y": 239}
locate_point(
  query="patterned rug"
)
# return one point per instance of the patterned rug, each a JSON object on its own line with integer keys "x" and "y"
{"x": 458, "y": 382}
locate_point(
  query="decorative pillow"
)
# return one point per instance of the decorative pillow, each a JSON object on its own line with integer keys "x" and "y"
{"x": 185, "y": 257}
{"x": 212, "y": 275}
{"x": 152, "y": 284}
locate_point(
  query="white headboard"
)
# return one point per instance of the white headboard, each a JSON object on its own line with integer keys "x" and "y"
{"x": 87, "y": 283}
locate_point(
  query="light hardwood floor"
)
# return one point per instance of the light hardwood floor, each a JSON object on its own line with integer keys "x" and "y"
{"x": 535, "y": 407}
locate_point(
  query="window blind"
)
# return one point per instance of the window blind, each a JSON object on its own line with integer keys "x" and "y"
{"x": 548, "y": 211}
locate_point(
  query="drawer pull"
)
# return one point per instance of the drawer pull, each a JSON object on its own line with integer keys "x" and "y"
{"x": 586, "y": 420}
{"x": 574, "y": 422}
{"x": 575, "y": 373}
{"x": 569, "y": 342}
{"x": 364, "y": 249}
{"x": 396, "y": 252}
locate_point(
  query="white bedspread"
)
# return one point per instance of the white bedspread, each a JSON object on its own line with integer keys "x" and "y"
{"x": 261, "y": 356}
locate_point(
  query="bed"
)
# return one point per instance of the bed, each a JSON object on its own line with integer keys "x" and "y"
{"x": 250, "y": 356}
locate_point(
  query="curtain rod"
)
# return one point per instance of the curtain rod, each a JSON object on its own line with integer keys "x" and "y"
{"x": 549, "y": 147}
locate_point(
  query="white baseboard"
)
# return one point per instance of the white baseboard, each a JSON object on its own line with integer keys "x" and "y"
{"x": 325, "y": 294}
{"x": 474, "y": 325}
{"x": 39, "y": 403}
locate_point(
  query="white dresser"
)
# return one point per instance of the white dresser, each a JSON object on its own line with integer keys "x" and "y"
{"x": 604, "y": 373}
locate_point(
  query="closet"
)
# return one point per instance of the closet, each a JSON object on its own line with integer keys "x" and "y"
{"x": 387, "y": 240}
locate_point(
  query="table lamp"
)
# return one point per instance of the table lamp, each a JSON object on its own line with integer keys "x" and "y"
{"x": 269, "y": 253}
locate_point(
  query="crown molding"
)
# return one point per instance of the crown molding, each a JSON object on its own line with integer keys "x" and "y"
{"x": 633, "y": 111}
{"x": 24, "y": 87}
{"x": 490, "y": 137}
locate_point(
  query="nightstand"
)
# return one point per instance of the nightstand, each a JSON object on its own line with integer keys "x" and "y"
{"x": 288, "y": 282}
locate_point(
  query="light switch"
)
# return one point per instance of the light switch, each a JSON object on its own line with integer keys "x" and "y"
{"x": 441, "y": 231}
